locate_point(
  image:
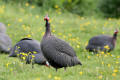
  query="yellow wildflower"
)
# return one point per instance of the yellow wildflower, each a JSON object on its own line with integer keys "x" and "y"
{"x": 115, "y": 70}
{"x": 53, "y": 30}
{"x": 20, "y": 20}
{"x": 61, "y": 22}
{"x": 34, "y": 52}
{"x": 37, "y": 16}
{"x": 108, "y": 65}
{"x": 102, "y": 52}
{"x": 113, "y": 74}
{"x": 78, "y": 46}
{"x": 37, "y": 79}
{"x": 57, "y": 78}
{"x": 32, "y": 7}
{"x": 88, "y": 57}
{"x": 27, "y": 4}
{"x": 49, "y": 76}
{"x": 117, "y": 62}
{"x": 106, "y": 47}
{"x": 28, "y": 35}
{"x": 9, "y": 25}
{"x": 81, "y": 73}
{"x": 56, "y": 6}
{"x": 100, "y": 77}
{"x": 102, "y": 62}
{"x": 23, "y": 58}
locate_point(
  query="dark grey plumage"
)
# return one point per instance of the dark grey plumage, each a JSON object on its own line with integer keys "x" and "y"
{"x": 30, "y": 47}
{"x": 98, "y": 43}
{"x": 25, "y": 45}
{"x": 57, "y": 52}
{"x": 2, "y": 28}
{"x": 5, "y": 41}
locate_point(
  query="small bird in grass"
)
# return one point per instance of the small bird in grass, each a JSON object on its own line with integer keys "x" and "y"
{"x": 57, "y": 52}
{"x": 102, "y": 43}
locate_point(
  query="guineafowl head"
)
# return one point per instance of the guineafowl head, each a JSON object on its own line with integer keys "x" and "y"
{"x": 115, "y": 34}
{"x": 46, "y": 18}
{"x": 47, "y": 25}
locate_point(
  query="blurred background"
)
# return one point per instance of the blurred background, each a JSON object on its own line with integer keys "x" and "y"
{"x": 103, "y": 8}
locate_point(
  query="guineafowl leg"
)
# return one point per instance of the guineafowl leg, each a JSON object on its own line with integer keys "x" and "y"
{"x": 65, "y": 68}
{"x": 56, "y": 69}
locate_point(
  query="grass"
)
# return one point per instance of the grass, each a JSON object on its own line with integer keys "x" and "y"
{"x": 27, "y": 21}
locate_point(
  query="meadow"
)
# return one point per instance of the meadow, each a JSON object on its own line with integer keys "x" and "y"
{"x": 28, "y": 21}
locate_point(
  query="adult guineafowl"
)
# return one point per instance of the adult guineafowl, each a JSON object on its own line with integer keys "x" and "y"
{"x": 5, "y": 41}
{"x": 2, "y": 28}
{"x": 57, "y": 52}
{"x": 29, "y": 47}
{"x": 102, "y": 43}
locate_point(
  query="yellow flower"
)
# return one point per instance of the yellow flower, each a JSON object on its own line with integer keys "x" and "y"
{"x": 49, "y": 76}
{"x": 57, "y": 78}
{"x": 32, "y": 7}
{"x": 59, "y": 12}
{"x": 7, "y": 65}
{"x": 23, "y": 58}
{"x": 59, "y": 33}
{"x": 115, "y": 70}
{"x": 102, "y": 52}
{"x": 81, "y": 73}
{"x": 78, "y": 46}
{"x": 56, "y": 6}
{"x": 108, "y": 65}
{"x": 61, "y": 22}
{"x": 64, "y": 36}
{"x": 108, "y": 53}
{"x": 20, "y": 20}
{"x": 117, "y": 62}
{"x": 1, "y": 10}
{"x": 88, "y": 57}
{"x": 118, "y": 56}
{"x": 100, "y": 77}
{"x": 102, "y": 32}
{"x": 37, "y": 16}
{"x": 106, "y": 47}
{"x": 102, "y": 63}
{"x": 33, "y": 56}
{"x": 9, "y": 25}
{"x": 53, "y": 30}
{"x": 37, "y": 79}
{"x": 69, "y": 34}
{"x": 27, "y": 4}
{"x": 34, "y": 52}
{"x": 113, "y": 74}
{"x": 28, "y": 35}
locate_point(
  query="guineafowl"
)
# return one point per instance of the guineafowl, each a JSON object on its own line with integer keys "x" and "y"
{"x": 102, "y": 43}
{"x": 5, "y": 41}
{"x": 2, "y": 28}
{"x": 29, "y": 47}
{"x": 57, "y": 52}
